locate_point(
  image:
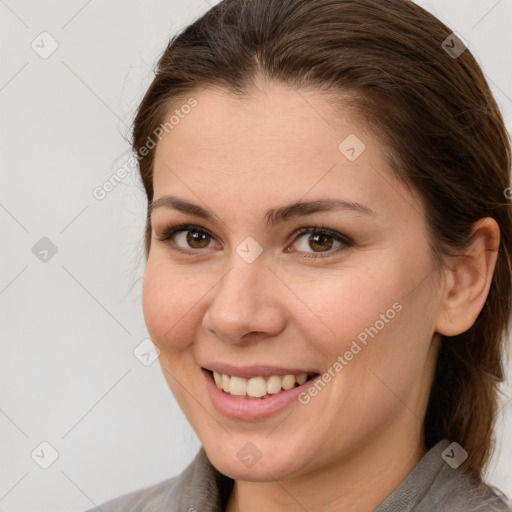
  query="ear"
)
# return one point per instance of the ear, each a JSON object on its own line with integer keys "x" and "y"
{"x": 468, "y": 280}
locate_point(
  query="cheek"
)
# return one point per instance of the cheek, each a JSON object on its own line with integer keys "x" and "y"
{"x": 343, "y": 306}
{"x": 383, "y": 334}
{"x": 371, "y": 319}
{"x": 168, "y": 306}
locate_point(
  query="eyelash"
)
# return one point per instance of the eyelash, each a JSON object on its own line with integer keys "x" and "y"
{"x": 317, "y": 230}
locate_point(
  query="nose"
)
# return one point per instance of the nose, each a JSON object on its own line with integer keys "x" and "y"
{"x": 245, "y": 304}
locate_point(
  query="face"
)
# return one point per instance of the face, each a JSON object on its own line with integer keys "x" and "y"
{"x": 345, "y": 295}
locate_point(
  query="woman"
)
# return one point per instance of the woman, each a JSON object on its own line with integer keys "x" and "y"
{"x": 328, "y": 249}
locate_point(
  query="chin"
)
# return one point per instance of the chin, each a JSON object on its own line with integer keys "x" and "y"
{"x": 250, "y": 463}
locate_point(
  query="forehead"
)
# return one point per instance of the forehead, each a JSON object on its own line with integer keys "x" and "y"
{"x": 269, "y": 115}
{"x": 275, "y": 145}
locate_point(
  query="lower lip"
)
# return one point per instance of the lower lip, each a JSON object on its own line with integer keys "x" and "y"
{"x": 247, "y": 409}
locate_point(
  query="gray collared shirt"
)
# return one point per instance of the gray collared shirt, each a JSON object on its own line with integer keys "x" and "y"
{"x": 432, "y": 486}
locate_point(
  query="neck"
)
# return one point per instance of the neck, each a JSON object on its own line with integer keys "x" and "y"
{"x": 358, "y": 483}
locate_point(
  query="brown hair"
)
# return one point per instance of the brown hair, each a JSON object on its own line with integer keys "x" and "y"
{"x": 433, "y": 111}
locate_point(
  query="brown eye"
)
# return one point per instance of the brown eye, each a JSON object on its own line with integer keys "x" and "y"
{"x": 315, "y": 240}
{"x": 186, "y": 236}
{"x": 320, "y": 240}
{"x": 197, "y": 239}
{"x": 191, "y": 239}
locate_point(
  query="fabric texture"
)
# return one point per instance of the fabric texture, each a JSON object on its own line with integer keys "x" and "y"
{"x": 432, "y": 486}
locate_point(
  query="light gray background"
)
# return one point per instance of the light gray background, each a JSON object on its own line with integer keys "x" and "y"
{"x": 68, "y": 375}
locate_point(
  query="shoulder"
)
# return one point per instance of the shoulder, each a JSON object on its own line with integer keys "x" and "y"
{"x": 199, "y": 486}
{"x": 455, "y": 491}
{"x": 435, "y": 485}
{"x": 477, "y": 498}
{"x": 148, "y": 499}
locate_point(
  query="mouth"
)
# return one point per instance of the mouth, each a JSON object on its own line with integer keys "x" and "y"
{"x": 260, "y": 387}
{"x": 255, "y": 393}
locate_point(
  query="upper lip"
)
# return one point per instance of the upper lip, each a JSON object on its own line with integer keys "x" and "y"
{"x": 262, "y": 370}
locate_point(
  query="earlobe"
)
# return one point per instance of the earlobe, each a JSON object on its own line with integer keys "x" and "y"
{"x": 469, "y": 279}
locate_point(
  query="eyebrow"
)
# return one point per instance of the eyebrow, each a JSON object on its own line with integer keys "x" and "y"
{"x": 273, "y": 216}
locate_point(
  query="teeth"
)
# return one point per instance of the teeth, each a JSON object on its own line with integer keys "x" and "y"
{"x": 273, "y": 384}
{"x": 224, "y": 382}
{"x": 237, "y": 386}
{"x": 257, "y": 387}
{"x": 303, "y": 377}
{"x": 288, "y": 382}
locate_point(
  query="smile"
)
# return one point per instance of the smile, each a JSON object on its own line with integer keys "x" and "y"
{"x": 258, "y": 387}
{"x": 283, "y": 393}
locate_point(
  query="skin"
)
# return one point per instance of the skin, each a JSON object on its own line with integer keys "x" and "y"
{"x": 354, "y": 442}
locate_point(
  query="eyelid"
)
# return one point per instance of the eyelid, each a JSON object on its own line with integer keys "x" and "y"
{"x": 173, "y": 229}
{"x": 345, "y": 240}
